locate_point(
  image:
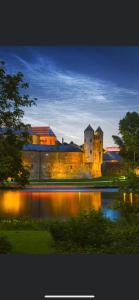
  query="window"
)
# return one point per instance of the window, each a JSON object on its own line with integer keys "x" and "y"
{"x": 43, "y": 140}
{"x": 71, "y": 167}
{"x": 90, "y": 140}
{"x": 90, "y": 151}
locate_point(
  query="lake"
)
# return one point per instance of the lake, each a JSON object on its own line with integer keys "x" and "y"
{"x": 50, "y": 203}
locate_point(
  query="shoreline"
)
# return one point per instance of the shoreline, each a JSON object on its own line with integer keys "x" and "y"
{"x": 58, "y": 188}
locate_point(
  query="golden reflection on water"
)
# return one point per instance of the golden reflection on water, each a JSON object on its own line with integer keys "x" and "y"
{"x": 10, "y": 203}
{"x": 57, "y": 204}
{"x": 131, "y": 198}
{"x": 48, "y": 204}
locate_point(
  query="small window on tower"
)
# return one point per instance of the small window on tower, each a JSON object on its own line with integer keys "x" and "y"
{"x": 90, "y": 151}
{"x": 90, "y": 140}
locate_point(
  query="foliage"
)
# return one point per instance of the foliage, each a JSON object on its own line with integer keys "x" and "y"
{"x": 129, "y": 210}
{"x": 124, "y": 240}
{"x": 5, "y": 245}
{"x": 12, "y": 101}
{"x": 88, "y": 230}
{"x": 128, "y": 141}
{"x": 95, "y": 234}
{"x": 129, "y": 184}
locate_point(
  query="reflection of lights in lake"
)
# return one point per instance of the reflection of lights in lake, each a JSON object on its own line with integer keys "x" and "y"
{"x": 131, "y": 198}
{"x": 124, "y": 197}
{"x": 53, "y": 204}
{"x": 11, "y": 202}
{"x": 111, "y": 214}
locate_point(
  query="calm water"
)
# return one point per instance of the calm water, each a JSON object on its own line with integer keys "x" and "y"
{"x": 56, "y": 204}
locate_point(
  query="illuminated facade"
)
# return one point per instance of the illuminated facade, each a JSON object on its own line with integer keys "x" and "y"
{"x": 48, "y": 158}
{"x": 43, "y": 136}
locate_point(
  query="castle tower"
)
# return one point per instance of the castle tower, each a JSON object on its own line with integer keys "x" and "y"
{"x": 88, "y": 144}
{"x": 98, "y": 152}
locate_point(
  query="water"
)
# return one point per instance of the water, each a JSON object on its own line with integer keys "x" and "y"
{"x": 56, "y": 204}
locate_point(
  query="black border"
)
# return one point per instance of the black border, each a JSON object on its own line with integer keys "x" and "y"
{"x": 30, "y": 277}
{"x": 64, "y": 22}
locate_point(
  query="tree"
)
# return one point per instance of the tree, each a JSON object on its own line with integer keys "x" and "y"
{"x": 14, "y": 133}
{"x": 129, "y": 138}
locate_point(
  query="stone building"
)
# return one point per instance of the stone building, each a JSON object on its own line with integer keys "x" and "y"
{"x": 48, "y": 158}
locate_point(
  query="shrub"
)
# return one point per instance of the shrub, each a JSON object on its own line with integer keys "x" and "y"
{"x": 5, "y": 245}
{"x": 86, "y": 230}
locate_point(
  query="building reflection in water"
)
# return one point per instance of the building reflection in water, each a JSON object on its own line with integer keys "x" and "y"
{"x": 53, "y": 204}
{"x": 131, "y": 198}
{"x": 11, "y": 203}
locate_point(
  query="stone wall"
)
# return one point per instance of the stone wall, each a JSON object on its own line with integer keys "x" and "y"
{"x": 54, "y": 165}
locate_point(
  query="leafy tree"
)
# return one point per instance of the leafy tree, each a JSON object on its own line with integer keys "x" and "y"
{"x": 15, "y": 133}
{"x": 128, "y": 141}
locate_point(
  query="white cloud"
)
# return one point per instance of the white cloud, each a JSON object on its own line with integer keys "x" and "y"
{"x": 68, "y": 101}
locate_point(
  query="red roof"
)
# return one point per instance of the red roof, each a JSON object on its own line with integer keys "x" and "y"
{"x": 114, "y": 148}
{"x": 46, "y": 130}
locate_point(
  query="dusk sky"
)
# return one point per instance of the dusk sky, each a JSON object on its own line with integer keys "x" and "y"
{"x": 76, "y": 86}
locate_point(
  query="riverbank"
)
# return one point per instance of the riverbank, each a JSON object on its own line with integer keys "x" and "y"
{"x": 101, "y": 182}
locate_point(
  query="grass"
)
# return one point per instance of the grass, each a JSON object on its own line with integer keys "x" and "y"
{"x": 100, "y": 181}
{"x": 29, "y": 241}
{"x": 104, "y": 181}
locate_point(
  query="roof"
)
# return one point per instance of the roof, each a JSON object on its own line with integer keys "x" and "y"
{"x": 40, "y": 131}
{"x": 99, "y": 129}
{"x": 109, "y": 156}
{"x": 52, "y": 148}
{"x": 113, "y": 148}
{"x": 89, "y": 128}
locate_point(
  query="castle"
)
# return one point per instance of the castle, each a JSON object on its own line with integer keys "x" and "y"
{"x": 47, "y": 158}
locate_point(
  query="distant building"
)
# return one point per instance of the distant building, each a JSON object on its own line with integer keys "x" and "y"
{"x": 112, "y": 149}
{"x": 112, "y": 161}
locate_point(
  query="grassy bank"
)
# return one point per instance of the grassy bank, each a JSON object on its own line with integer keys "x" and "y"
{"x": 29, "y": 241}
{"x": 27, "y": 235}
{"x": 75, "y": 180}
{"x": 104, "y": 181}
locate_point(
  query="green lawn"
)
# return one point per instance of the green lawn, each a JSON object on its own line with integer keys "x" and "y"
{"x": 74, "y": 180}
{"x": 104, "y": 181}
{"x": 100, "y": 181}
{"x": 29, "y": 241}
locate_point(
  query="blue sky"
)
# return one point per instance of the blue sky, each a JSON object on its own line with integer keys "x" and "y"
{"x": 76, "y": 86}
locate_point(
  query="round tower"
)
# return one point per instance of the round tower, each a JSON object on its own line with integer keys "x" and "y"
{"x": 88, "y": 144}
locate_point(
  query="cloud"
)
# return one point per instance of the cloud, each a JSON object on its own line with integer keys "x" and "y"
{"x": 69, "y": 101}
